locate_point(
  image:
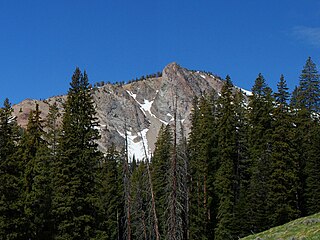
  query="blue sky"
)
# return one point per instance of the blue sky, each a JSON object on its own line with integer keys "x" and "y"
{"x": 43, "y": 41}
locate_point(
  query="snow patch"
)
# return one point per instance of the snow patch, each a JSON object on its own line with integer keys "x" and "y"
{"x": 246, "y": 92}
{"x": 146, "y": 106}
{"x": 133, "y": 95}
{"x": 136, "y": 145}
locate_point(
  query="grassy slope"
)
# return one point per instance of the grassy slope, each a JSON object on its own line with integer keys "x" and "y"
{"x": 307, "y": 228}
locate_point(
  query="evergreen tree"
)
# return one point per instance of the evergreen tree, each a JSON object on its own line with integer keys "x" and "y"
{"x": 260, "y": 147}
{"x": 307, "y": 95}
{"x": 304, "y": 102}
{"x": 11, "y": 205}
{"x": 312, "y": 170}
{"x": 242, "y": 164}
{"x": 53, "y": 129}
{"x": 309, "y": 89}
{"x": 74, "y": 184}
{"x": 37, "y": 184}
{"x": 160, "y": 167}
{"x": 226, "y": 178}
{"x": 32, "y": 141}
{"x": 196, "y": 216}
{"x": 302, "y": 139}
{"x": 284, "y": 181}
{"x": 112, "y": 195}
{"x": 294, "y": 101}
{"x": 282, "y": 96}
{"x": 202, "y": 147}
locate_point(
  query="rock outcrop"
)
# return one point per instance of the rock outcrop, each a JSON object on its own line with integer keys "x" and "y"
{"x": 138, "y": 109}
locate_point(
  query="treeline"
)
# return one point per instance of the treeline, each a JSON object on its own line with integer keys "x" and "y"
{"x": 247, "y": 165}
{"x": 121, "y": 83}
{"x": 145, "y": 77}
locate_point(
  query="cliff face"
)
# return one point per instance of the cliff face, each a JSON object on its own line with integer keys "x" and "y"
{"x": 138, "y": 109}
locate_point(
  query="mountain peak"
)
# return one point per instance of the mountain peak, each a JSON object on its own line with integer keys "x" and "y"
{"x": 171, "y": 67}
{"x": 138, "y": 109}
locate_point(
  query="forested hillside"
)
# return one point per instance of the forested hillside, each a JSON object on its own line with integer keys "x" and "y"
{"x": 246, "y": 165}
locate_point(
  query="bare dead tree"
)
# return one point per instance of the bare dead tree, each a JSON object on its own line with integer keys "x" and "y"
{"x": 126, "y": 183}
{"x": 172, "y": 220}
{"x": 153, "y": 204}
{"x": 184, "y": 179}
{"x": 177, "y": 223}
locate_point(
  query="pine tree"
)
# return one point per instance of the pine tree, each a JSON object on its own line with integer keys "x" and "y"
{"x": 294, "y": 100}
{"x": 32, "y": 141}
{"x": 74, "y": 184}
{"x": 36, "y": 182}
{"x": 303, "y": 124}
{"x": 226, "y": 178}
{"x": 312, "y": 170}
{"x": 53, "y": 129}
{"x": 282, "y": 96}
{"x": 284, "y": 181}
{"x": 307, "y": 97}
{"x": 304, "y": 102}
{"x": 112, "y": 195}
{"x": 196, "y": 216}
{"x": 202, "y": 147}
{"x": 160, "y": 167}
{"x": 309, "y": 89}
{"x": 260, "y": 146}
{"x": 242, "y": 164}
{"x": 11, "y": 205}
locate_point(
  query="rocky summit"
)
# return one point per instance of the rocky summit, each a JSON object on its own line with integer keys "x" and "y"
{"x": 138, "y": 109}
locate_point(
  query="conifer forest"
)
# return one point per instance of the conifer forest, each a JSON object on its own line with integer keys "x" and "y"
{"x": 248, "y": 164}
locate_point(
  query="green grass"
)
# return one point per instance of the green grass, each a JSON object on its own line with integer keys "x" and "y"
{"x": 307, "y": 228}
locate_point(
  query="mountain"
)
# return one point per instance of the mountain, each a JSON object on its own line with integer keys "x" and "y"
{"x": 138, "y": 109}
{"x": 302, "y": 228}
